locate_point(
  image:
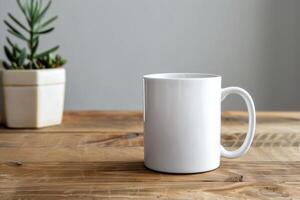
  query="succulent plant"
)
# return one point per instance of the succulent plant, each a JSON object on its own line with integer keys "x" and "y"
{"x": 50, "y": 61}
{"x": 29, "y": 58}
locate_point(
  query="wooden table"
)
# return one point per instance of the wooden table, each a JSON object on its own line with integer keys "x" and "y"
{"x": 100, "y": 155}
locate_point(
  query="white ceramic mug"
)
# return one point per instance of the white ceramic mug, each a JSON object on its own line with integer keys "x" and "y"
{"x": 182, "y": 122}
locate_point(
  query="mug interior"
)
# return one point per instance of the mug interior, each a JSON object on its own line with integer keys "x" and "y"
{"x": 180, "y": 76}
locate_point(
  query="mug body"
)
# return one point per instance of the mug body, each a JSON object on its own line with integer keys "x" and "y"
{"x": 182, "y": 122}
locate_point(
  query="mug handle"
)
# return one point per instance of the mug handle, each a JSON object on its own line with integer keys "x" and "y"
{"x": 252, "y": 122}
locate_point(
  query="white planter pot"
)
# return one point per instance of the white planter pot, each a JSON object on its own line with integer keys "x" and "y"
{"x": 33, "y": 98}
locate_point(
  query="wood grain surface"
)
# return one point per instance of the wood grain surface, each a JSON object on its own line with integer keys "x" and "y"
{"x": 99, "y": 155}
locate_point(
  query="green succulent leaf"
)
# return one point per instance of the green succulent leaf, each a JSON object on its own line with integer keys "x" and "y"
{"x": 10, "y": 42}
{"x": 23, "y": 9}
{"x": 47, "y": 52}
{"x": 18, "y": 22}
{"x": 8, "y": 54}
{"x": 5, "y": 65}
{"x": 17, "y": 48}
{"x": 14, "y": 53}
{"x": 19, "y": 35}
{"x": 43, "y": 12}
{"x": 28, "y": 11}
{"x": 49, "y": 21}
{"x": 46, "y": 31}
{"x": 12, "y": 45}
{"x": 22, "y": 58}
{"x": 35, "y": 46}
{"x": 62, "y": 62}
{"x": 35, "y": 10}
{"x": 31, "y": 7}
{"x": 12, "y": 28}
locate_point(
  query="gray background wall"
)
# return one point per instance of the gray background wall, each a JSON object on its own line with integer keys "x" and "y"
{"x": 110, "y": 44}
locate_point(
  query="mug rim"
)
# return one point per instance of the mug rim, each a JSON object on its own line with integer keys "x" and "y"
{"x": 180, "y": 76}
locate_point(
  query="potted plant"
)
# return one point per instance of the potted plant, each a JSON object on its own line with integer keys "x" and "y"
{"x": 33, "y": 82}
